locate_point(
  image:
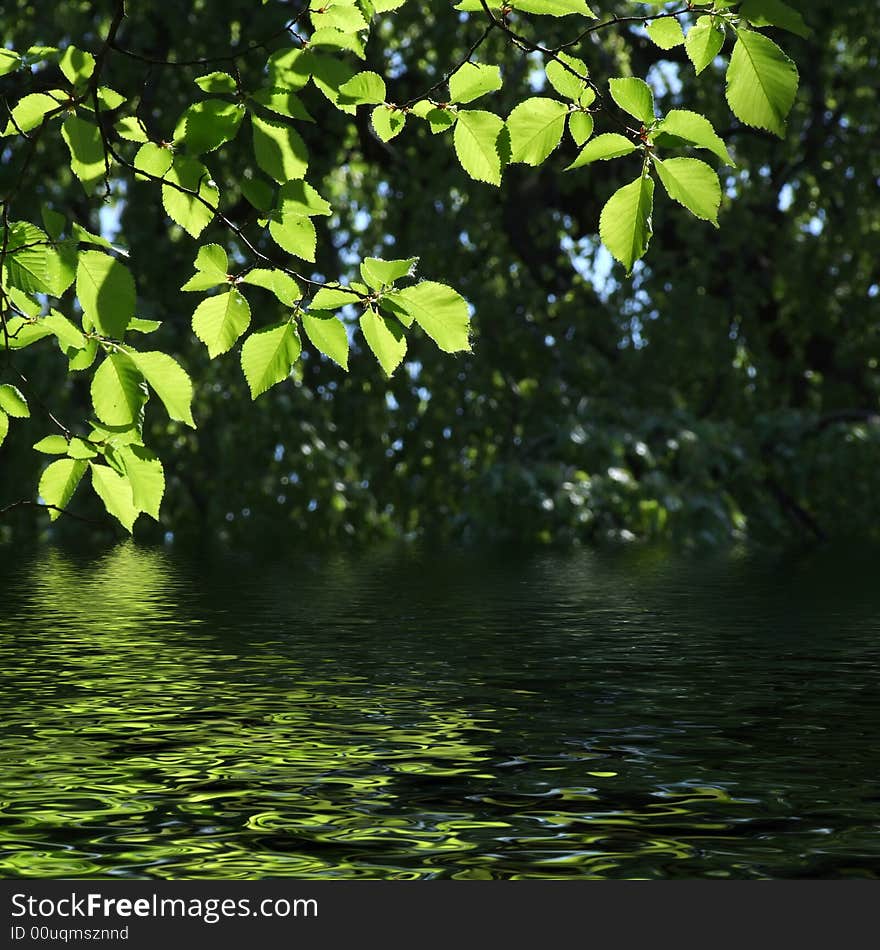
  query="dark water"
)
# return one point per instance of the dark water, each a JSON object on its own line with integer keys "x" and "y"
{"x": 416, "y": 716}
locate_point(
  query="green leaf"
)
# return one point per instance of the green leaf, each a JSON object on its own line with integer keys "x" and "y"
{"x": 22, "y": 333}
{"x": 285, "y": 288}
{"x": 634, "y": 96}
{"x": 109, "y": 98}
{"x": 267, "y": 356}
{"x": 279, "y": 150}
{"x": 28, "y": 263}
{"x": 62, "y": 266}
{"x": 32, "y": 265}
{"x": 332, "y": 298}
{"x": 219, "y": 321}
{"x": 290, "y": 67}
{"x": 209, "y": 124}
{"x": 188, "y": 210}
{"x": 695, "y": 129}
{"x": 116, "y": 493}
{"x": 365, "y": 88}
{"x": 258, "y": 192}
{"x": 30, "y": 111}
{"x": 693, "y": 184}
{"x": 603, "y": 147}
{"x": 212, "y": 266}
{"x": 343, "y": 17}
{"x": 666, "y": 33}
{"x": 139, "y": 325}
{"x": 283, "y": 102}
{"x": 298, "y": 197}
{"x": 553, "y": 7}
{"x": 154, "y": 160}
{"x": 439, "y": 310}
{"x": 536, "y": 128}
{"x": 384, "y": 336}
{"x": 204, "y": 281}
{"x": 580, "y": 125}
{"x": 774, "y": 13}
{"x": 216, "y": 82}
{"x": 106, "y": 292}
{"x": 762, "y": 82}
{"x": 76, "y": 64}
{"x": 13, "y": 403}
{"x": 9, "y": 61}
{"x": 58, "y": 483}
{"x": 338, "y": 40}
{"x": 117, "y": 393}
{"x": 112, "y": 437}
{"x": 52, "y": 445}
{"x": 625, "y": 222}
{"x": 476, "y": 141}
{"x": 87, "y": 159}
{"x": 328, "y": 75}
{"x": 545, "y": 7}
{"x": 387, "y": 122}
{"x": 169, "y": 380}
{"x": 380, "y": 274}
{"x": 328, "y": 335}
{"x": 439, "y": 120}
{"x": 212, "y": 259}
{"x": 146, "y": 477}
{"x": 26, "y": 304}
{"x": 84, "y": 358}
{"x": 53, "y": 222}
{"x": 294, "y": 233}
{"x": 473, "y": 80}
{"x": 69, "y": 336}
{"x": 4, "y": 426}
{"x": 131, "y": 129}
{"x": 80, "y": 449}
{"x": 703, "y": 42}
{"x": 563, "y": 80}
{"x": 82, "y": 236}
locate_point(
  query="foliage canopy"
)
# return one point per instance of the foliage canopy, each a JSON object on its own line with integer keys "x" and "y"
{"x": 255, "y": 157}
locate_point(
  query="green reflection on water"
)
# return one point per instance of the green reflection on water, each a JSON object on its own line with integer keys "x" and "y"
{"x": 140, "y": 739}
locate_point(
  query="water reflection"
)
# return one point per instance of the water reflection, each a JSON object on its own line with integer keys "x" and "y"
{"x": 189, "y": 717}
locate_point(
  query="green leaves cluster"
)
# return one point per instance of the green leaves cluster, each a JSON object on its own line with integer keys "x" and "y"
{"x": 761, "y": 86}
{"x": 386, "y": 311}
{"x": 74, "y": 289}
{"x": 126, "y": 475}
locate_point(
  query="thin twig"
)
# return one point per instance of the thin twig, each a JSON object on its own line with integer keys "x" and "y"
{"x": 445, "y": 79}
{"x": 212, "y": 60}
{"x": 616, "y": 21}
{"x": 27, "y": 503}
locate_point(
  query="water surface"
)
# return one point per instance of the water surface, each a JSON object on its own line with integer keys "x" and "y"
{"x": 417, "y": 715}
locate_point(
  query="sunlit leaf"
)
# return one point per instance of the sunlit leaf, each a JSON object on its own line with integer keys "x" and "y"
{"x": 476, "y": 140}
{"x": 59, "y": 481}
{"x": 169, "y": 380}
{"x": 268, "y": 354}
{"x": 219, "y": 321}
{"x": 328, "y": 335}
{"x": 106, "y": 292}
{"x": 385, "y": 337}
{"x": 762, "y": 82}
{"x": 115, "y": 491}
{"x": 625, "y": 222}
{"x": 117, "y": 393}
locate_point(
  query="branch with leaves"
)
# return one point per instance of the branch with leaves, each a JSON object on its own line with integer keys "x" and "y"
{"x": 65, "y": 285}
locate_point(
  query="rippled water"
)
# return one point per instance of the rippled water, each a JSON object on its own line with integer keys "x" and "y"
{"x": 407, "y": 715}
